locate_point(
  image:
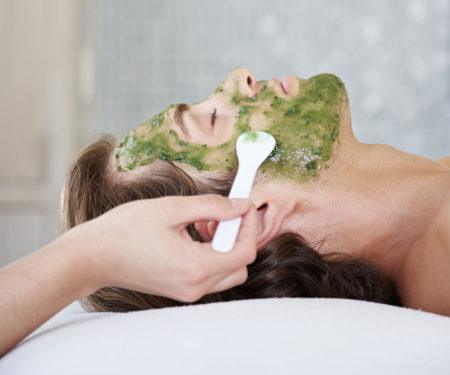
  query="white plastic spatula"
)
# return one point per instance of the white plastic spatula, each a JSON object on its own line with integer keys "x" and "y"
{"x": 252, "y": 148}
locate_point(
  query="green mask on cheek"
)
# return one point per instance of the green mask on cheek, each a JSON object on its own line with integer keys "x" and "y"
{"x": 305, "y": 128}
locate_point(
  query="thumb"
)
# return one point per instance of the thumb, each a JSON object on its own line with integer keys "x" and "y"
{"x": 186, "y": 210}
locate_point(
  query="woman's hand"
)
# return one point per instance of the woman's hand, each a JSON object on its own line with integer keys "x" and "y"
{"x": 144, "y": 246}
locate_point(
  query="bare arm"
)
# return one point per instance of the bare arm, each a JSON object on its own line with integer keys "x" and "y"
{"x": 128, "y": 247}
{"x": 36, "y": 287}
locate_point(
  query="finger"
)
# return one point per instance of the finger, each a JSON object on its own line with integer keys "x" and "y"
{"x": 248, "y": 233}
{"x": 212, "y": 226}
{"x": 231, "y": 280}
{"x": 186, "y": 210}
{"x": 243, "y": 252}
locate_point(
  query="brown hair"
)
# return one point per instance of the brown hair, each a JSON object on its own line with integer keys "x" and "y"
{"x": 286, "y": 267}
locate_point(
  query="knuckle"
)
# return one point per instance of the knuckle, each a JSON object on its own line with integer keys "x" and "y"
{"x": 214, "y": 200}
{"x": 194, "y": 273}
{"x": 190, "y": 295}
{"x": 250, "y": 257}
{"x": 243, "y": 275}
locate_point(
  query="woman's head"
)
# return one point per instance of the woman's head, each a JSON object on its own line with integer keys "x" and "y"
{"x": 286, "y": 265}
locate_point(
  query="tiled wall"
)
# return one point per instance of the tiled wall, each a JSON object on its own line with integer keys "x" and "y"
{"x": 38, "y": 112}
{"x": 121, "y": 61}
{"x": 394, "y": 57}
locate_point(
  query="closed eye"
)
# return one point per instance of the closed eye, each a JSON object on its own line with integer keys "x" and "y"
{"x": 213, "y": 117}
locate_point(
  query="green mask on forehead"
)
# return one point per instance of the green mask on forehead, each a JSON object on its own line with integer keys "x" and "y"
{"x": 304, "y": 127}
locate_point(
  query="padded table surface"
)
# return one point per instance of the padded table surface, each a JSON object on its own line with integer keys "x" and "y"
{"x": 270, "y": 336}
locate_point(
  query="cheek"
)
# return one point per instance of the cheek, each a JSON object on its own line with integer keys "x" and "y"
{"x": 259, "y": 121}
{"x": 223, "y": 130}
{"x": 222, "y": 158}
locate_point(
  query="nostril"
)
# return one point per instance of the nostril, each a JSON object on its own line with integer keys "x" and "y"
{"x": 249, "y": 80}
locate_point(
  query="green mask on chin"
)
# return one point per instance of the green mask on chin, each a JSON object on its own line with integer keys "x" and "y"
{"x": 305, "y": 128}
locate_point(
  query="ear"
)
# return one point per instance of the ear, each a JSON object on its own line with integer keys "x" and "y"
{"x": 266, "y": 213}
{"x": 206, "y": 229}
{"x": 269, "y": 222}
{"x": 271, "y": 215}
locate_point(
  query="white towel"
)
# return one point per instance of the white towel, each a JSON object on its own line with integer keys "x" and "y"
{"x": 272, "y": 336}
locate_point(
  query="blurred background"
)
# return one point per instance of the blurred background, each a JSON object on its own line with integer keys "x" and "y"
{"x": 73, "y": 69}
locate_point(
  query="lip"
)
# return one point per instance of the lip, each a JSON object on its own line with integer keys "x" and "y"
{"x": 279, "y": 83}
{"x": 290, "y": 84}
{"x": 286, "y": 84}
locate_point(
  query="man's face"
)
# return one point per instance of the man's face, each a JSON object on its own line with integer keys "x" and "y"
{"x": 302, "y": 115}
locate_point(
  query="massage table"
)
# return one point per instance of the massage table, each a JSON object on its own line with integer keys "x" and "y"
{"x": 265, "y": 336}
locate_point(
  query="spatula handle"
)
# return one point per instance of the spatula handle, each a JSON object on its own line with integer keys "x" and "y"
{"x": 227, "y": 230}
{"x": 226, "y": 234}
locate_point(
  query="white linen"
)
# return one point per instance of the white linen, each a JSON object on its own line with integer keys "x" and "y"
{"x": 271, "y": 336}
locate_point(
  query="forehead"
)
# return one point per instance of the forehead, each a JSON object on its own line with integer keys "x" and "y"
{"x": 305, "y": 127}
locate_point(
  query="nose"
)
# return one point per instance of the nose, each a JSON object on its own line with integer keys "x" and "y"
{"x": 244, "y": 81}
{"x": 247, "y": 83}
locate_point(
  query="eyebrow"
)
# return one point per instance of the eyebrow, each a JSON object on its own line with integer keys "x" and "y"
{"x": 178, "y": 117}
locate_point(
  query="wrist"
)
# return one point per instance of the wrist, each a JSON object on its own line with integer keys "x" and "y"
{"x": 81, "y": 262}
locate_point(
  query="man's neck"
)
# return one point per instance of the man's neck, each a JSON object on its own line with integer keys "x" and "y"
{"x": 381, "y": 209}
{"x": 419, "y": 213}
{"x": 423, "y": 281}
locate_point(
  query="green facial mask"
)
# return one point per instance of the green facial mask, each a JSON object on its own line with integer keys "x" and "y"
{"x": 304, "y": 127}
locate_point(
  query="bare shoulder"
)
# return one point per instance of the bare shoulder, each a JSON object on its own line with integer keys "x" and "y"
{"x": 424, "y": 280}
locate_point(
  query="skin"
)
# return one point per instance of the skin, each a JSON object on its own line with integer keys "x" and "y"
{"x": 302, "y": 115}
{"x": 370, "y": 200}
{"x": 366, "y": 200}
{"x": 113, "y": 251}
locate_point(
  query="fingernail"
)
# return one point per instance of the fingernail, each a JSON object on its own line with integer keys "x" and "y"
{"x": 240, "y": 202}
